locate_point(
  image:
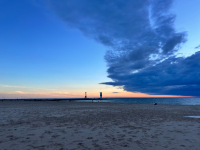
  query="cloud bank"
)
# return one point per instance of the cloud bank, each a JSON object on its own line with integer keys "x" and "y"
{"x": 142, "y": 43}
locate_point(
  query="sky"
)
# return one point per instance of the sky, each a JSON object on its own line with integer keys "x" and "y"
{"x": 62, "y": 49}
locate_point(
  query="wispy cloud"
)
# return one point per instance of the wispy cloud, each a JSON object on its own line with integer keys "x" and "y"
{"x": 12, "y": 86}
{"x": 22, "y": 94}
{"x": 25, "y": 87}
{"x": 197, "y": 47}
{"x": 19, "y": 92}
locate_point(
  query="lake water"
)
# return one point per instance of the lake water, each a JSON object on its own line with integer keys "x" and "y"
{"x": 173, "y": 101}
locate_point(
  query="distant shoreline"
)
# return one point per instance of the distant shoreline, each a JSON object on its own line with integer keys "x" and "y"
{"x": 55, "y": 99}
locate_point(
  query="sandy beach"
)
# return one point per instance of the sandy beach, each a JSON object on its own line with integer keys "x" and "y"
{"x": 79, "y": 125}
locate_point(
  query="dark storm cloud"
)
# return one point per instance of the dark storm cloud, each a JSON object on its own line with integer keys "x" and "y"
{"x": 173, "y": 76}
{"x": 142, "y": 42}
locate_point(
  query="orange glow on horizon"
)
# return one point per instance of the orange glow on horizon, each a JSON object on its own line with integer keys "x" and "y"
{"x": 106, "y": 94}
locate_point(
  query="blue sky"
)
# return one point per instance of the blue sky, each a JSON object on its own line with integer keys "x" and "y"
{"x": 43, "y": 55}
{"x": 187, "y": 20}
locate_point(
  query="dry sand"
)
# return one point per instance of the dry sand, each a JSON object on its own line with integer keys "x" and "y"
{"x": 75, "y": 125}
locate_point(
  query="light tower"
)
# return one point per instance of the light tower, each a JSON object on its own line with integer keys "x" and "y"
{"x": 85, "y": 95}
{"x": 100, "y": 95}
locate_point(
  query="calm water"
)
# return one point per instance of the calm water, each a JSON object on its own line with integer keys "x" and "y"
{"x": 173, "y": 101}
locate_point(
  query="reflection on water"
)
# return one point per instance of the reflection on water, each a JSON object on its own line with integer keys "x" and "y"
{"x": 173, "y": 101}
{"x": 193, "y": 116}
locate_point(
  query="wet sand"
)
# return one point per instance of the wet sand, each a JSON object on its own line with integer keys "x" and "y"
{"x": 77, "y": 125}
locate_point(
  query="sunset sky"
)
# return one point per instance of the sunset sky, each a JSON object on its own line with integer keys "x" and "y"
{"x": 62, "y": 49}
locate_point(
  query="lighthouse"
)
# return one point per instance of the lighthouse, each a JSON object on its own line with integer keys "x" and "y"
{"x": 100, "y": 95}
